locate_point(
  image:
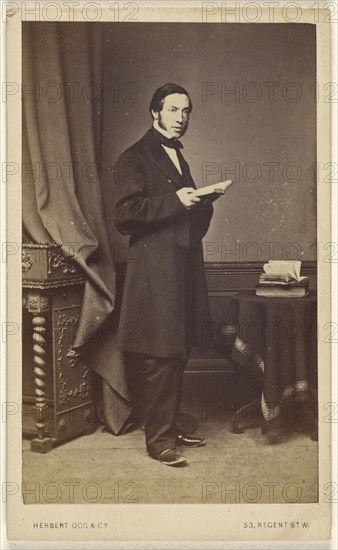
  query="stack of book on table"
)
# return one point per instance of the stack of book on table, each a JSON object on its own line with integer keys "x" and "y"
{"x": 282, "y": 279}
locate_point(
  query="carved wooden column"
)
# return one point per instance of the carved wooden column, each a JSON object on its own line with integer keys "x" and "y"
{"x": 57, "y": 400}
{"x": 38, "y": 305}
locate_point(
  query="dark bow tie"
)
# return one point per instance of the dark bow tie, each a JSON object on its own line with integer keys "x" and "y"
{"x": 168, "y": 142}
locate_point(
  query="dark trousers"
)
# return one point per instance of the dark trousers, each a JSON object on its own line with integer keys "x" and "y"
{"x": 162, "y": 398}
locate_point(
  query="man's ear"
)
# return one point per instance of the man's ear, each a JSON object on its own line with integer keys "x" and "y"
{"x": 154, "y": 114}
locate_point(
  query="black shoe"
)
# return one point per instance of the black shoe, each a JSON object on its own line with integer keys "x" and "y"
{"x": 169, "y": 457}
{"x": 189, "y": 441}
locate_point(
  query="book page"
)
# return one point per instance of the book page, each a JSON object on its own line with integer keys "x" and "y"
{"x": 283, "y": 267}
{"x": 220, "y": 187}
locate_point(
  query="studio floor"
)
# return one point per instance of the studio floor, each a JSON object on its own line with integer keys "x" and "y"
{"x": 231, "y": 468}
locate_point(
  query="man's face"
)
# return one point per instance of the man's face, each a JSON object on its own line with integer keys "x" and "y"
{"x": 174, "y": 116}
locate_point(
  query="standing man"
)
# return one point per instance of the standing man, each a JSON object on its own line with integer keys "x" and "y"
{"x": 165, "y": 305}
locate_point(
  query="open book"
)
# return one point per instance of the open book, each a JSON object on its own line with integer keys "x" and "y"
{"x": 219, "y": 188}
{"x": 282, "y": 272}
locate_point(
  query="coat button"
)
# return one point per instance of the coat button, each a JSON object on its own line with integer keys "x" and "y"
{"x": 169, "y": 181}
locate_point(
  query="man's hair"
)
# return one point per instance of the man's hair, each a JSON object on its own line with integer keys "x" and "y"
{"x": 161, "y": 93}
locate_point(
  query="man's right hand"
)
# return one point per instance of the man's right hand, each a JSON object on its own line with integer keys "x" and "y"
{"x": 187, "y": 197}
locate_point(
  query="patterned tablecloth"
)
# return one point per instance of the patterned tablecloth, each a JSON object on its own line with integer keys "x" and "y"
{"x": 275, "y": 340}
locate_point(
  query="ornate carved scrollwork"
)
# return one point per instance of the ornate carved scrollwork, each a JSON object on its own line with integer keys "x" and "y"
{"x": 55, "y": 261}
{"x": 26, "y": 261}
{"x": 37, "y": 303}
{"x": 66, "y": 395}
{"x": 73, "y": 357}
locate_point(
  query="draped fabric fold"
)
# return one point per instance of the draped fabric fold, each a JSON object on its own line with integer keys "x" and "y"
{"x": 62, "y": 195}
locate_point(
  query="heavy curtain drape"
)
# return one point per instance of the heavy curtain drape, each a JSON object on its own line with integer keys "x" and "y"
{"x": 62, "y": 195}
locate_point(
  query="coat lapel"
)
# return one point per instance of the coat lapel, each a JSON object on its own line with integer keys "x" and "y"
{"x": 163, "y": 161}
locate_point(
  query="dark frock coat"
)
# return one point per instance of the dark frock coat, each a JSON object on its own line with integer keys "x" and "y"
{"x": 165, "y": 306}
